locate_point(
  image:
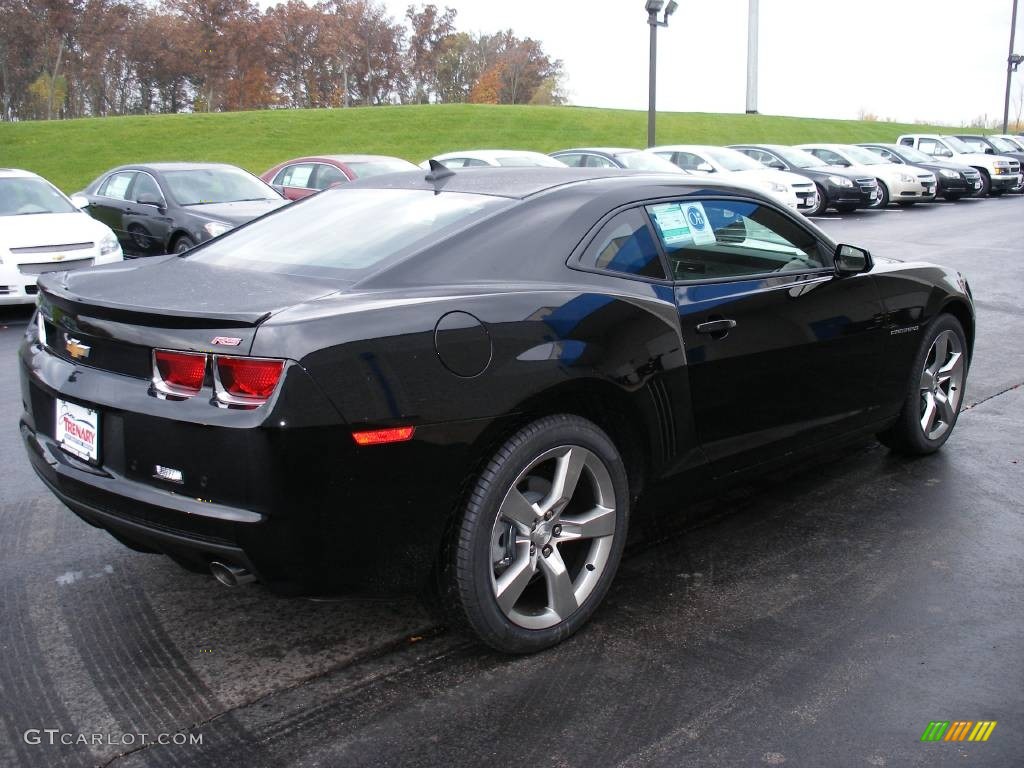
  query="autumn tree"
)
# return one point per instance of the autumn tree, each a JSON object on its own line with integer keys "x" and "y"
{"x": 431, "y": 30}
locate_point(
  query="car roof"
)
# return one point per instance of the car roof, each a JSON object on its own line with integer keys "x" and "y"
{"x": 882, "y": 144}
{"x": 521, "y": 183}
{"x": 839, "y": 147}
{"x": 354, "y": 158}
{"x": 17, "y": 173}
{"x": 600, "y": 150}
{"x": 488, "y": 154}
{"x": 170, "y": 166}
{"x": 687, "y": 147}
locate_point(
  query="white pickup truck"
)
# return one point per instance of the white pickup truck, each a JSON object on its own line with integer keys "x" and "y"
{"x": 998, "y": 174}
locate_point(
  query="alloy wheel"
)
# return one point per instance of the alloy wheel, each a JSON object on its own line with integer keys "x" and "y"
{"x": 552, "y": 537}
{"x": 941, "y": 385}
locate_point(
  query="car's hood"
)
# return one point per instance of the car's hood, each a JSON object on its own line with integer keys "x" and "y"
{"x": 975, "y": 158}
{"x": 182, "y": 288}
{"x": 39, "y": 229}
{"x": 236, "y": 213}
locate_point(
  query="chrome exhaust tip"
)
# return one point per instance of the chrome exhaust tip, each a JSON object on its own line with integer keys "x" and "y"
{"x": 230, "y": 575}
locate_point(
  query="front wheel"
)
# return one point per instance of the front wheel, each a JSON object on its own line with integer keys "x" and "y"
{"x": 182, "y": 245}
{"x": 986, "y": 184}
{"x": 935, "y": 392}
{"x": 822, "y": 206}
{"x": 883, "y": 196}
{"x": 541, "y": 536}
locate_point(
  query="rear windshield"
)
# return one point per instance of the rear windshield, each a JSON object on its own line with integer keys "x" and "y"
{"x": 347, "y": 233}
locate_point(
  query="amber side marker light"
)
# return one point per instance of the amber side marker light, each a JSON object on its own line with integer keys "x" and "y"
{"x": 381, "y": 436}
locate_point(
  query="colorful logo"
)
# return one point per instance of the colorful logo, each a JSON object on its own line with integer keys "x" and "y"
{"x": 958, "y": 730}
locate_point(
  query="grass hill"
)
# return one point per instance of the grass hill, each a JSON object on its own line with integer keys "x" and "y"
{"x": 71, "y": 153}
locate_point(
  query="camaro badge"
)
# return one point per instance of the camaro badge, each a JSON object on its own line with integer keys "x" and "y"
{"x": 227, "y": 341}
{"x": 75, "y": 348}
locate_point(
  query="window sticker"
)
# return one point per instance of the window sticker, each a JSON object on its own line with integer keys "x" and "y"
{"x": 700, "y": 227}
{"x": 671, "y": 223}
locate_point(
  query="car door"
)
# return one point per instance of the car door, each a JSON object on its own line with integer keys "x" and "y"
{"x": 294, "y": 181}
{"x": 110, "y": 203}
{"x": 781, "y": 352}
{"x": 146, "y": 220}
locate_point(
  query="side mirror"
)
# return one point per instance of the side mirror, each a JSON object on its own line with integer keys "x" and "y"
{"x": 706, "y": 168}
{"x": 152, "y": 200}
{"x": 777, "y": 165}
{"x": 81, "y": 202}
{"x": 851, "y": 260}
{"x": 989, "y": 151}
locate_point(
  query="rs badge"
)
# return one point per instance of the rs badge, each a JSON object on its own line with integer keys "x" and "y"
{"x": 227, "y": 341}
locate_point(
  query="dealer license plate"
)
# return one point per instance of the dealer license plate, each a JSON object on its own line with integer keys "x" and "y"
{"x": 977, "y": 185}
{"x": 78, "y": 430}
{"x": 874, "y": 194}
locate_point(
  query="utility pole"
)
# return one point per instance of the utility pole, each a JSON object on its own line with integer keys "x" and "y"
{"x": 752, "y": 11}
{"x": 1011, "y": 66}
{"x": 653, "y": 7}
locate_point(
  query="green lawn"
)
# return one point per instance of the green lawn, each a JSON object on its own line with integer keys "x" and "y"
{"x": 72, "y": 152}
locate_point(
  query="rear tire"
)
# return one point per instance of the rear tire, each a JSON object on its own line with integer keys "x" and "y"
{"x": 540, "y": 538}
{"x": 934, "y": 392}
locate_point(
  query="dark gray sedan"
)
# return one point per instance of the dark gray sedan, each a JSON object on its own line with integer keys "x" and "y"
{"x": 616, "y": 157}
{"x": 161, "y": 208}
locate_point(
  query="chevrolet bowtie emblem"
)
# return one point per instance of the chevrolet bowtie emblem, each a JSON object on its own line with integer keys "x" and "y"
{"x": 75, "y": 348}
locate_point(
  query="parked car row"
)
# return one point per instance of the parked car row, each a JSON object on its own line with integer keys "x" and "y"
{"x": 155, "y": 208}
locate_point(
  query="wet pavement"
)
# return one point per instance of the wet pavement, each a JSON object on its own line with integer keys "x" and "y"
{"x": 821, "y": 619}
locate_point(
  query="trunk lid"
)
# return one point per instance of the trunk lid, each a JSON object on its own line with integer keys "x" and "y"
{"x": 113, "y": 317}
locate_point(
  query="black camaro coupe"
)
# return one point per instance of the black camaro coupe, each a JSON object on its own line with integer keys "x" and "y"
{"x": 467, "y": 380}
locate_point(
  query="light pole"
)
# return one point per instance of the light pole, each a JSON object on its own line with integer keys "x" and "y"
{"x": 653, "y": 6}
{"x": 1012, "y": 62}
{"x": 752, "y": 23}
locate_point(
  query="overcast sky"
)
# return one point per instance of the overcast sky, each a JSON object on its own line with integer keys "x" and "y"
{"x": 936, "y": 60}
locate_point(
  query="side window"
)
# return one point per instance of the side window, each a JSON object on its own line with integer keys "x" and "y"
{"x": 146, "y": 188}
{"x": 907, "y": 142}
{"x": 770, "y": 160}
{"x": 116, "y": 185}
{"x": 625, "y": 244}
{"x": 596, "y": 161}
{"x": 886, "y": 155}
{"x": 454, "y": 162}
{"x": 688, "y": 161}
{"x": 729, "y": 238}
{"x": 328, "y": 175}
{"x": 472, "y": 162}
{"x": 573, "y": 161}
{"x": 295, "y": 176}
{"x": 828, "y": 156}
{"x": 927, "y": 146}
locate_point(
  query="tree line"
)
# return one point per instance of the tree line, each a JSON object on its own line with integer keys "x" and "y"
{"x": 79, "y": 58}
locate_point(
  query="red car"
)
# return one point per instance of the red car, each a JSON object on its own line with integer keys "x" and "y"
{"x": 304, "y": 176}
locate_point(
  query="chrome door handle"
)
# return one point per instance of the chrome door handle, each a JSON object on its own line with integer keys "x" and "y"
{"x": 716, "y": 326}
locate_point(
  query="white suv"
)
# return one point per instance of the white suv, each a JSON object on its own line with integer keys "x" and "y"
{"x": 998, "y": 174}
{"x": 42, "y": 231}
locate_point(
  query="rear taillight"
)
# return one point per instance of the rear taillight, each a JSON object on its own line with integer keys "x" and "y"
{"x": 179, "y": 374}
{"x": 246, "y": 380}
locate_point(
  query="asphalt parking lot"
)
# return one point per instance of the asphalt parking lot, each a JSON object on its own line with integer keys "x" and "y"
{"x": 818, "y": 619}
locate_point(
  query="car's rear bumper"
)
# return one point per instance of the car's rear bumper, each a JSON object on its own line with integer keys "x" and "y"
{"x": 301, "y": 506}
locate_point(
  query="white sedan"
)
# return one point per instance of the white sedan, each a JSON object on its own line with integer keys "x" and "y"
{"x": 495, "y": 158}
{"x": 797, "y": 192}
{"x": 41, "y": 231}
